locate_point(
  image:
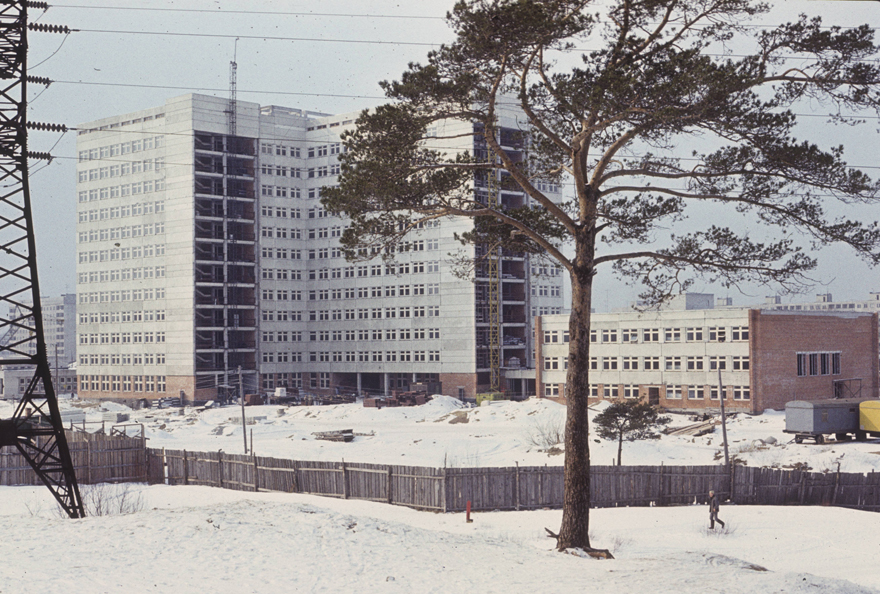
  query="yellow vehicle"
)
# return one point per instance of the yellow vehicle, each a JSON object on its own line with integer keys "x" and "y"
{"x": 869, "y": 418}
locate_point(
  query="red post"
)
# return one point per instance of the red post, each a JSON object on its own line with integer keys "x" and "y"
{"x": 468, "y": 517}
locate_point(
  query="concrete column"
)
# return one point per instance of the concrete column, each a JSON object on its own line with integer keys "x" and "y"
{"x": 385, "y": 383}
{"x": 359, "y": 383}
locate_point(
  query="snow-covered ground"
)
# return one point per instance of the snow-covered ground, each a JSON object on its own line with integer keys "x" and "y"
{"x": 197, "y": 539}
{"x": 443, "y": 432}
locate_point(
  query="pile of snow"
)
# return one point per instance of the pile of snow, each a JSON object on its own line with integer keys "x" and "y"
{"x": 191, "y": 540}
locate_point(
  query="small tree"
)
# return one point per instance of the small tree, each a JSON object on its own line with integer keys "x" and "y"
{"x": 629, "y": 420}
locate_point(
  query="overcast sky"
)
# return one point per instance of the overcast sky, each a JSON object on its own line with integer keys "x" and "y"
{"x": 331, "y": 57}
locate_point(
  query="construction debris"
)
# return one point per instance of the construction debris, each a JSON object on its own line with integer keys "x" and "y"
{"x": 697, "y": 429}
{"x": 345, "y": 435}
{"x": 398, "y": 399}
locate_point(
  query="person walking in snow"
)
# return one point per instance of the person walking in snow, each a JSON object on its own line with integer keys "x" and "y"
{"x": 713, "y": 511}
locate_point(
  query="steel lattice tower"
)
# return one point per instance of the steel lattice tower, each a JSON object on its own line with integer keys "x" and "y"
{"x": 35, "y": 428}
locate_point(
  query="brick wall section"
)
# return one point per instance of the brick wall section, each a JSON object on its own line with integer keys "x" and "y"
{"x": 451, "y": 382}
{"x": 776, "y": 338}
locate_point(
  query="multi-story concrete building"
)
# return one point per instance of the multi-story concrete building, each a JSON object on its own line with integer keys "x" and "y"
{"x": 202, "y": 252}
{"x": 673, "y": 357}
{"x": 59, "y": 327}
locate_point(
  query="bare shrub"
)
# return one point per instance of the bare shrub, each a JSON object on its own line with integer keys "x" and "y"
{"x": 109, "y": 499}
{"x": 546, "y": 434}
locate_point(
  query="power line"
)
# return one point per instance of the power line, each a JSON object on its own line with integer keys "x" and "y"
{"x": 260, "y": 37}
{"x": 253, "y": 12}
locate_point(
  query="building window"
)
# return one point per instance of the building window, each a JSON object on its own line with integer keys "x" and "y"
{"x": 609, "y": 335}
{"x": 694, "y": 363}
{"x": 672, "y": 335}
{"x": 694, "y": 334}
{"x": 630, "y": 363}
{"x": 609, "y": 363}
{"x": 716, "y": 363}
{"x": 629, "y": 335}
{"x": 630, "y": 391}
{"x": 673, "y": 392}
{"x": 741, "y": 393}
{"x": 717, "y": 334}
{"x": 673, "y": 364}
{"x": 651, "y": 335}
{"x": 551, "y": 389}
{"x": 652, "y": 363}
{"x": 696, "y": 393}
{"x": 594, "y": 363}
{"x": 741, "y": 363}
{"x": 739, "y": 333}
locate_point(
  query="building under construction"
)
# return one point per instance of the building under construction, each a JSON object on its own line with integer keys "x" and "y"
{"x": 205, "y": 260}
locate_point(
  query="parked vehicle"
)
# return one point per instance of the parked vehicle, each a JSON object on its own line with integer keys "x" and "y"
{"x": 814, "y": 419}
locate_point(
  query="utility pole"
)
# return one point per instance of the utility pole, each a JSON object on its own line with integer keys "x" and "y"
{"x": 243, "y": 418}
{"x": 724, "y": 428}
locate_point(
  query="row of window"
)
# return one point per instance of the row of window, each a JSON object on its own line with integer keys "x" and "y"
{"x": 121, "y": 337}
{"x": 126, "y": 168}
{"x": 649, "y": 335}
{"x": 546, "y": 270}
{"x": 352, "y": 335}
{"x": 133, "y": 189}
{"x": 134, "y": 252}
{"x": 126, "y": 232}
{"x": 673, "y": 392}
{"x": 818, "y": 364}
{"x": 353, "y": 357}
{"x": 121, "y": 274}
{"x": 374, "y": 313}
{"x": 546, "y": 291}
{"x": 135, "y": 209}
{"x": 123, "y": 359}
{"x": 117, "y": 317}
{"x": 122, "y": 383}
{"x": 147, "y": 143}
{"x": 321, "y": 150}
{"x": 123, "y": 295}
{"x": 280, "y": 191}
{"x": 697, "y": 363}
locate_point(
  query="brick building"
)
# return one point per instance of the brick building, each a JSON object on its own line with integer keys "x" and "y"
{"x": 673, "y": 357}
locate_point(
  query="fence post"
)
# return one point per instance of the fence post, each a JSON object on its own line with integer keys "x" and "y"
{"x": 220, "y": 466}
{"x": 660, "y": 487}
{"x": 344, "y": 480}
{"x": 389, "y": 488}
{"x": 836, "y": 485}
{"x": 256, "y": 468}
{"x": 295, "y": 480}
{"x": 517, "y": 486}
{"x": 443, "y": 492}
{"x": 185, "y": 469}
{"x": 803, "y": 487}
{"x": 89, "y": 461}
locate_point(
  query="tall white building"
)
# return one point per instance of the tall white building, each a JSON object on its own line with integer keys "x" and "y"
{"x": 202, "y": 252}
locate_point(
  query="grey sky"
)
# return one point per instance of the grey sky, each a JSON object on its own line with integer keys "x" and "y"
{"x": 329, "y": 76}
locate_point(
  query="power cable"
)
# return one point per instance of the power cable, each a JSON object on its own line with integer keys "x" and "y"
{"x": 253, "y": 12}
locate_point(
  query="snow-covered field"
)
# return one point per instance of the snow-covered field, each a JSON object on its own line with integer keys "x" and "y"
{"x": 443, "y": 432}
{"x": 196, "y": 539}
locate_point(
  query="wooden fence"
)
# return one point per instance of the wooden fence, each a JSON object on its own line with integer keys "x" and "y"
{"x": 96, "y": 458}
{"x": 512, "y": 488}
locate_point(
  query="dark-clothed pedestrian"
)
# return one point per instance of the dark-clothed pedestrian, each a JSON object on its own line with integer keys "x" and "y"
{"x": 713, "y": 511}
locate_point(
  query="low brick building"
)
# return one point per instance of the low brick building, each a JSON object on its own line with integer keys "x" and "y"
{"x": 673, "y": 358}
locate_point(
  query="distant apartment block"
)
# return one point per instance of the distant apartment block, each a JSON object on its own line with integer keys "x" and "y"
{"x": 673, "y": 357}
{"x": 59, "y": 329}
{"x": 201, "y": 253}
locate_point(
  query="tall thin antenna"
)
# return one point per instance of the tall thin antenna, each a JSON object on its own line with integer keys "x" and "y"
{"x": 233, "y": 83}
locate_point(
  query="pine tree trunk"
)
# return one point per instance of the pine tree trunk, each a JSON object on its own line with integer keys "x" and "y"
{"x": 575, "y": 529}
{"x": 619, "y": 447}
